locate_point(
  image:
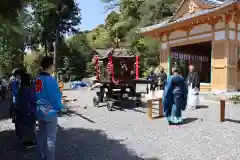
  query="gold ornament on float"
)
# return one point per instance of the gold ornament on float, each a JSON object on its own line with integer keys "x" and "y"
{"x": 192, "y": 7}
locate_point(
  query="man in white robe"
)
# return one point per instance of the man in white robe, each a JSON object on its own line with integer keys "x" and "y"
{"x": 193, "y": 82}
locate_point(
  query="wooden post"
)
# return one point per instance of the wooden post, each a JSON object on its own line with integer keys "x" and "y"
{"x": 222, "y": 110}
{"x": 160, "y": 108}
{"x": 149, "y": 104}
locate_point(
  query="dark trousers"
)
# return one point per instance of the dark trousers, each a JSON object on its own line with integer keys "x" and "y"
{"x": 3, "y": 93}
{"x": 153, "y": 86}
{"x": 12, "y": 111}
{"x": 25, "y": 127}
{"x": 161, "y": 86}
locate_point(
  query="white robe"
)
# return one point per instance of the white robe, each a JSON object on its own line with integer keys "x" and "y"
{"x": 193, "y": 96}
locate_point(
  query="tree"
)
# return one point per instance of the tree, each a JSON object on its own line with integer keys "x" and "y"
{"x": 76, "y": 56}
{"x": 11, "y": 34}
{"x": 11, "y": 49}
{"x": 9, "y": 13}
{"x": 54, "y": 18}
{"x": 79, "y": 43}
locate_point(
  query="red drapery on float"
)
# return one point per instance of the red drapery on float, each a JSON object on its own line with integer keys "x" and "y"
{"x": 97, "y": 69}
{"x": 111, "y": 67}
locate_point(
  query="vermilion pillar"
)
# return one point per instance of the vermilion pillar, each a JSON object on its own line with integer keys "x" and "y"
{"x": 111, "y": 67}
{"x": 97, "y": 68}
{"x": 137, "y": 68}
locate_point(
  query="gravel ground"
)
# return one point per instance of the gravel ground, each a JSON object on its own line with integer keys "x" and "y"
{"x": 89, "y": 133}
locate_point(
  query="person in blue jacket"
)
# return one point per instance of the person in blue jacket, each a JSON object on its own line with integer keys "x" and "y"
{"x": 175, "y": 97}
{"x": 14, "y": 87}
{"x": 48, "y": 102}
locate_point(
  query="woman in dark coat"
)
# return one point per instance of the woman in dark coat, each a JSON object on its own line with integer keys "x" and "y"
{"x": 25, "y": 111}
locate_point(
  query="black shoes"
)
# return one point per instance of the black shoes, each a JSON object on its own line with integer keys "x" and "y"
{"x": 29, "y": 144}
{"x": 171, "y": 124}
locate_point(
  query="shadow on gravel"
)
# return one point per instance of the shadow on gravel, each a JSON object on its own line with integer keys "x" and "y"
{"x": 4, "y": 110}
{"x": 189, "y": 120}
{"x": 84, "y": 144}
{"x": 72, "y": 144}
{"x": 232, "y": 120}
{"x": 202, "y": 107}
{"x": 10, "y": 149}
{"x": 69, "y": 113}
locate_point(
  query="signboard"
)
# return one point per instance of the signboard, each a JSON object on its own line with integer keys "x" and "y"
{"x": 181, "y": 56}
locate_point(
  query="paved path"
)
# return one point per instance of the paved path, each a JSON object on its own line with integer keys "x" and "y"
{"x": 89, "y": 133}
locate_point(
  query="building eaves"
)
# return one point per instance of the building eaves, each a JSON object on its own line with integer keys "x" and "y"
{"x": 214, "y": 3}
{"x": 196, "y": 14}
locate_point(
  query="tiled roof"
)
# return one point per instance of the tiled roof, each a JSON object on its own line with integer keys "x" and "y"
{"x": 196, "y": 14}
{"x": 118, "y": 52}
{"x": 101, "y": 52}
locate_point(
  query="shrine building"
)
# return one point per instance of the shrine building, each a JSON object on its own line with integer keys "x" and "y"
{"x": 205, "y": 33}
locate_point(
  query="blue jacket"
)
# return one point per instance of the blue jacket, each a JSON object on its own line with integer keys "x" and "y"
{"x": 48, "y": 97}
{"x": 152, "y": 77}
{"x": 14, "y": 87}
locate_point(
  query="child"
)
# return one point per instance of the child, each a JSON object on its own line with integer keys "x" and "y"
{"x": 25, "y": 112}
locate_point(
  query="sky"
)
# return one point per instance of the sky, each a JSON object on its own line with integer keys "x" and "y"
{"x": 93, "y": 13}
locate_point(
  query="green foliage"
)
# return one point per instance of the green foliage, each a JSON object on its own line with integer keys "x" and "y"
{"x": 99, "y": 38}
{"x": 75, "y": 57}
{"x": 90, "y": 70}
{"x": 111, "y": 19}
{"x": 11, "y": 50}
{"x": 9, "y": 12}
{"x": 235, "y": 99}
{"x": 79, "y": 43}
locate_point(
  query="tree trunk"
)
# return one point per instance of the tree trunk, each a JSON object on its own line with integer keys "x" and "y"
{"x": 56, "y": 50}
{"x": 46, "y": 48}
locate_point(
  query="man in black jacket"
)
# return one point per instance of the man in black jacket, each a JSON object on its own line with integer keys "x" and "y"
{"x": 162, "y": 78}
{"x": 193, "y": 82}
{"x": 152, "y": 77}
